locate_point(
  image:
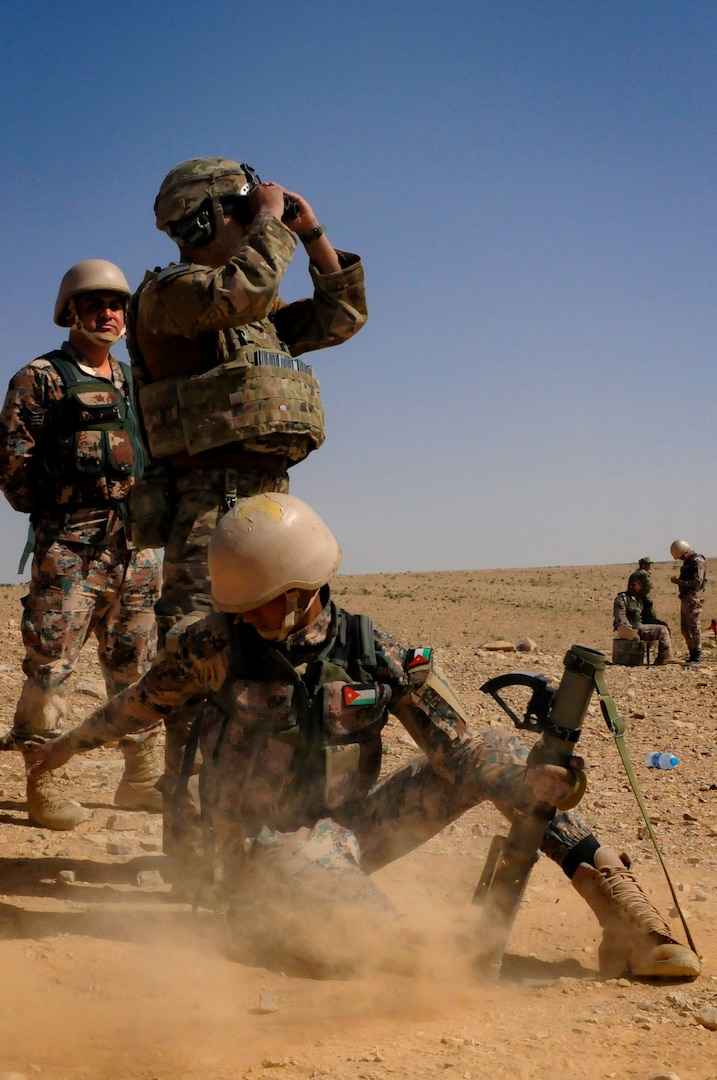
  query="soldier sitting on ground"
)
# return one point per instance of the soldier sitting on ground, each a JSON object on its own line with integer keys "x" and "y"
{"x": 634, "y": 617}
{"x": 296, "y": 693}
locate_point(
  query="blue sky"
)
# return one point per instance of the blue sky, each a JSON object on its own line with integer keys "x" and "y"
{"x": 531, "y": 184}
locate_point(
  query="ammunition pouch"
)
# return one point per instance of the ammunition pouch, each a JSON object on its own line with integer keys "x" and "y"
{"x": 150, "y": 506}
{"x": 250, "y": 398}
{"x": 354, "y": 714}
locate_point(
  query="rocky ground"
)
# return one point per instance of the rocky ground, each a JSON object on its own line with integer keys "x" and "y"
{"x": 106, "y": 977}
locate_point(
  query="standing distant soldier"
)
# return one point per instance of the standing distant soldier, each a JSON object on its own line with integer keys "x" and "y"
{"x": 691, "y": 588}
{"x": 69, "y": 453}
{"x": 644, "y": 567}
{"x": 226, "y": 404}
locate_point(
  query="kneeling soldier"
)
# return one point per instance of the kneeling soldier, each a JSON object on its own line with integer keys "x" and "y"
{"x": 297, "y": 692}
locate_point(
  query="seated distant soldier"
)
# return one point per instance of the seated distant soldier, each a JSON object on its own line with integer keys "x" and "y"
{"x": 634, "y": 617}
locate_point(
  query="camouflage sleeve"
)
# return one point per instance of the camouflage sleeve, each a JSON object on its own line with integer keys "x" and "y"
{"x": 336, "y": 312}
{"x": 619, "y": 612}
{"x": 194, "y": 666}
{"x": 422, "y": 698}
{"x": 189, "y": 300}
{"x": 28, "y": 406}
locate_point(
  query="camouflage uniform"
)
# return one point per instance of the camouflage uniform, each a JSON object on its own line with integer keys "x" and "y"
{"x": 271, "y": 805}
{"x": 629, "y": 609}
{"x": 691, "y": 590}
{"x": 86, "y": 577}
{"x": 196, "y": 328}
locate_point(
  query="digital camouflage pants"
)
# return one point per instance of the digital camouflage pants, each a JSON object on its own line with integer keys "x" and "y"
{"x": 690, "y": 615}
{"x": 275, "y": 878}
{"x": 78, "y": 590}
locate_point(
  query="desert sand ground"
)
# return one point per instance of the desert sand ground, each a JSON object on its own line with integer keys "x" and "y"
{"x": 106, "y": 977}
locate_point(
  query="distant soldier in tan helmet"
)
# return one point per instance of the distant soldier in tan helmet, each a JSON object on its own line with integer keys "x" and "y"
{"x": 69, "y": 455}
{"x": 227, "y": 405}
{"x": 691, "y": 588}
{"x": 296, "y": 693}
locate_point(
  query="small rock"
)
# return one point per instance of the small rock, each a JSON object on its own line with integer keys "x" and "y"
{"x": 526, "y": 645}
{"x": 148, "y": 879}
{"x": 267, "y": 1004}
{"x": 151, "y": 845}
{"x": 118, "y": 849}
{"x": 124, "y": 822}
{"x": 66, "y": 877}
{"x": 707, "y": 1016}
{"x": 499, "y": 646}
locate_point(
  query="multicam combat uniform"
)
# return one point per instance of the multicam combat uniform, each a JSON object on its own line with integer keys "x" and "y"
{"x": 291, "y": 747}
{"x": 226, "y": 406}
{"x": 69, "y": 462}
{"x": 691, "y": 590}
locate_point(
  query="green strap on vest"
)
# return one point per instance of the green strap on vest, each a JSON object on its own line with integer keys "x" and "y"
{"x": 616, "y": 725}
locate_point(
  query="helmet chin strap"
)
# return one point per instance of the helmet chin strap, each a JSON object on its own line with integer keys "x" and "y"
{"x": 97, "y": 337}
{"x": 292, "y": 615}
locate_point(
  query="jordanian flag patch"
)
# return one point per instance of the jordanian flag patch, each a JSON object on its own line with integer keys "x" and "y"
{"x": 358, "y": 694}
{"x": 418, "y": 658}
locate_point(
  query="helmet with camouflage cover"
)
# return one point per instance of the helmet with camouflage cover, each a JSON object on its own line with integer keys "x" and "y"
{"x": 90, "y": 275}
{"x": 680, "y": 548}
{"x": 268, "y": 545}
{"x": 189, "y": 185}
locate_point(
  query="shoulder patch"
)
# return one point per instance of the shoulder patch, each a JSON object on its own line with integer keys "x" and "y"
{"x": 416, "y": 658}
{"x": 172, "y": 271}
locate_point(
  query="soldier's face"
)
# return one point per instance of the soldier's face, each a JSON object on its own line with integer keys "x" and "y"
{"x": 268, "y": 618}
{"x": 101, "y": 312}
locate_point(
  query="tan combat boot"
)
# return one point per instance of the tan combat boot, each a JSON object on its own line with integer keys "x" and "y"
{"x": 636, "y": 939}
{"x": 49, "y": 808}
{"x": 138, "y": 789}
{"x": 664, "y": 656}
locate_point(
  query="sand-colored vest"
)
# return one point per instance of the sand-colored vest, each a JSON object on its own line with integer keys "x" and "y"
{"x": 237, "y": 385}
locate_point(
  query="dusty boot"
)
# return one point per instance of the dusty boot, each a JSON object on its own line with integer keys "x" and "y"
{"x": 636, "y": 939}
{"x": 695, "y": 658}
{"x": 49, "y": 808}
{"x": 138, "y": 789}
{"x": 664, "y": 656}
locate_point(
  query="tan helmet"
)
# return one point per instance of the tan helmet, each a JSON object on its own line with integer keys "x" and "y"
{"x": 678, "y": 548}
{"x": 268, "y": 545}
{"x": 188, "y": 185}
{"x": 90, "y": 275}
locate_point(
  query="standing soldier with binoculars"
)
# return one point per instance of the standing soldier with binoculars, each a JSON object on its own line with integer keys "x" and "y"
{"x": 226, "y": 405}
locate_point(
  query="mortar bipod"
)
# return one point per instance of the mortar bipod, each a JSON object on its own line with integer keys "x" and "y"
{"x": 557, "y": 713}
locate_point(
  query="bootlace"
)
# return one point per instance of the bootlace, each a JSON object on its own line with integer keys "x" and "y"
{"x": 622, "y": 887}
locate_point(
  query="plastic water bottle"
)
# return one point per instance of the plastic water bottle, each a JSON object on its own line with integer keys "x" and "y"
{"x": 661, "y": 761}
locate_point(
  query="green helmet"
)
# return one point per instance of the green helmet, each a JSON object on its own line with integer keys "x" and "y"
{"x": 190, "y": 184}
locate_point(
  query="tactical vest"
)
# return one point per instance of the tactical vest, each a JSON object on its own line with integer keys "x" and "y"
{"x": 238, "y": 385}
{"x": 93, "y": 435}
{"x": 332, "y": 714}
{"x": 689, "y": 571}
